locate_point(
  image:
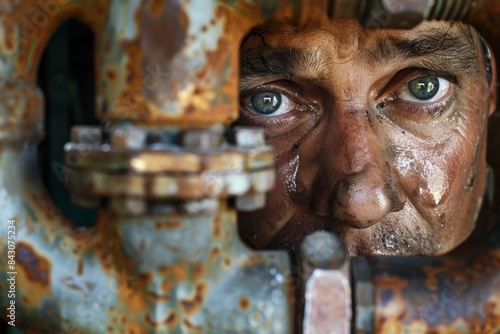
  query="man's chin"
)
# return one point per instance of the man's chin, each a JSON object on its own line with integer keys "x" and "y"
{"x": 388, "y": 238}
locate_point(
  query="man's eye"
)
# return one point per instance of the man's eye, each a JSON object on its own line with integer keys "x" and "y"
{"x": 268, "y": 104}
{"x": 424, "y": 89}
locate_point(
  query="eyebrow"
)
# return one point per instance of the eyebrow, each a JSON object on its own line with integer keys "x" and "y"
{"x": 263, "y": 60}
{"x": 448, "y": 51}
{"x": 442, "y": 51}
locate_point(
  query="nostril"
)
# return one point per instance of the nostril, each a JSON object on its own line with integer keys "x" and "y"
{"x": 362, "y": 200}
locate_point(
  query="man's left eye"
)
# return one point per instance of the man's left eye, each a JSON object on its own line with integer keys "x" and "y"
{"x": 424, "y": 89}
{"x": 268, "y": 104}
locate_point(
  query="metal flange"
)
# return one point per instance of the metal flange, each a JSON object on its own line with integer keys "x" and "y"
{"x": 139, "y": 165}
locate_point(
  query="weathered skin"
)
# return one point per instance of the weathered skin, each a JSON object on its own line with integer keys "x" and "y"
{"x": 389, "y": 176}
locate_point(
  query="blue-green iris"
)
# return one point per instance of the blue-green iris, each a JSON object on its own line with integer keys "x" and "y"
{"x": 424, "y": 88}
{"x": 266, "y": 103}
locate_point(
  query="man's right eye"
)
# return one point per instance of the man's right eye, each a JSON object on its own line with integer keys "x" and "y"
{"x": 268, "y": 104}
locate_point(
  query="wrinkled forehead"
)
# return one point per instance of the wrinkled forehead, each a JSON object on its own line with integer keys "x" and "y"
{"x": 348, "y": 34}
{"x": 340, "y": 41}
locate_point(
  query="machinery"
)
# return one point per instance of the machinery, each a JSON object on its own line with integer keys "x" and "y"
{"x": 165, "y": 256}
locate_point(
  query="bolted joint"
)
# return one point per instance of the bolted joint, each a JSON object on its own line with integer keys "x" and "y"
{"x": 90, "y": 135}
{"x": 250, "y": 202}
{"x": 246, "y": 137}
{"x": 327, "y": 303}
{"x": 321, "y": 250}
{"x": 132, "y": 138}
{"x": 326, "y": 284}
{"x": 203, "y": 138}
{"x": 135, "y": 206}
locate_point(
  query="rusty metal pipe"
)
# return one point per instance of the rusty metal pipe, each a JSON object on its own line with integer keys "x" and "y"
{"x": 160, "y": 64}
{"x": 456, "y": 293}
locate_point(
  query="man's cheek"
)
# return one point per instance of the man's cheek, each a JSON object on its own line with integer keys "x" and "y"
{"x": 435, "y": 189}
{"x": 426, "y": 182}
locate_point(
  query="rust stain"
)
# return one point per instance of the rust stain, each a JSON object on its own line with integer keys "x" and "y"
{"x": 179, "y": 273}
{"x": 217, "y": 227}
{"x": 36, "y": 266}
{"x": 164, "y": 270}
{"x": 167, "y": 285}
{"x": 145, "y": 278}
{"x": 169, "y": 225}
{"x": 390, "y": 283}
{"x": 192, "y": 327}
{"x": 158, "y": 298}
{"x": 190, "y": 306}
{"x": 156, "y": 7}
{"x": 80, "y": 267}
{"x": 128, "y": 296}
{"x": 133, "y": 329}
{"x": 9, "y": 39}
{"x": 111, "y": 75}
{"x": 244, "y": 304}
{"x": 253, "y": 260}
{"x": 215, "y": 252}
{"x": 151, "y": 322}
{"x": 172, "y": 319}
{"x": 197, "y": 271}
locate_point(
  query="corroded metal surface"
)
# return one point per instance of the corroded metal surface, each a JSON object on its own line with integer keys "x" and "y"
{"x": 193, "y": 78}
{"x": 327, "y": 287}
{"x": 181, "y": 267}
{"x": 328, "y": 303}
{"x": 135, "y": 274}
{"x": 456, "y": 293}
{"x": 162, "y": 267}
{"x": 137, "y": 165}
{"x": 28, "y": 24}
{"x": 22, "y": 118}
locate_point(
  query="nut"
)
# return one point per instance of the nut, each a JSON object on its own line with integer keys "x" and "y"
{"x": 130, "y": 206}
{"x": 250, "y": 202}
{"x": 85, "y": 201}
{"x": 328, "y": 303}
{"x": 208, "y": 205}
{"x": 91, "y": 135}
{"x": 128, "y": 137}
{"x": 201, "y": 138}
{"x": 247, "y": 137}
{"x": 323, "y": 250}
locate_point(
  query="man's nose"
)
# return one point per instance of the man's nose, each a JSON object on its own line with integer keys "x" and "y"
{"x": 361, "y": 188}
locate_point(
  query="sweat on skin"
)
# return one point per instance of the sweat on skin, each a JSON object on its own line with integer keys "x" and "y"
{"x": 380, "y": 135}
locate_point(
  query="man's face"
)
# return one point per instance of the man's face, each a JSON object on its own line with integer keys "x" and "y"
{"x": 379, "y": 134}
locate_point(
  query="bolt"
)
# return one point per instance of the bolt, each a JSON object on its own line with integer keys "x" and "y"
{"x": 323, "y": 250}
{"x": 328, "y": 303}
{"x": 250, "y": 202}
{"x": 128, "y": 206}
{"x": 208, "y": 205}
{"x": 201, "y": 138}
{"x": 85, "y": 201}
{"x": 128, "y": 137}
{"x": 247, "y": 137}
{"x": 86, "y": 135}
